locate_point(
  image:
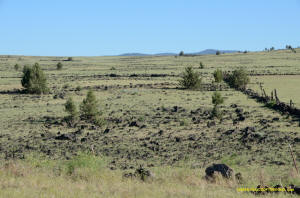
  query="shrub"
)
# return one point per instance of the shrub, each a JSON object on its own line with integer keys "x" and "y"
{"x": 271, "y": 104}
{"x": 89, "y": 107}
{"x": 201, "y": 65}
{"x": 217, "y": 99}
{"x": 112, "y": 68}
{"x": 70, "y": 59}
{"x": 34, "y": 80}
{"x": 181, "y": 53}
{"x": 218, "y": 75}
{"x": 78, "y": 88}
{"x": 17, "y": 67}
{"x": 238, "y": 79}
{"x": 190, "y": 79}
{"x": 218, "y": 52}
{"x": 216, "y": 112}
{"x": 59, "y": 66}
{"x": 71, "y": 109}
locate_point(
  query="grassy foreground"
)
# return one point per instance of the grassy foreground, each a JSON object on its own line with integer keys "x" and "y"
{"x": 88, "y": 176}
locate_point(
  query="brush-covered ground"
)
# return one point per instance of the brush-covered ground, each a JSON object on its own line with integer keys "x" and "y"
{"x": 149, "y": 122}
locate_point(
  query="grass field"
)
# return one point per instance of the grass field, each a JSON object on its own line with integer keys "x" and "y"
{"x": 173, "y": 133}
{"x": 286, "y": 86}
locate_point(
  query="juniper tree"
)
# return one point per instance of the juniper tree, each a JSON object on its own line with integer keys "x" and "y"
{"x": 59, "y": 66}
{"x": 218, "y": 75}
{"x": 71, "y": 109}
{"x": 190, "y": 79}
{"x": 217, "y": 100}
{"x": 34, "y": 80}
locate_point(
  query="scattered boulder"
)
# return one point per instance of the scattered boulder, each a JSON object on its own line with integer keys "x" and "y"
{"x": 229, "y": 132}
{"x": 239, "y": 111}
{"x": 140, "y": 173}
{"x": 297, "y": 139}
{"x": 134, "y": 124}
{"x": 233, "y": 106}
{"x": 210, "y": 124}
{"x": 63, "y": 137}
{"x": 160, "y": 132}
{"x": 175, "y": 109}
{"x": 106, "y": 130}
{"x": 223, "y": 169}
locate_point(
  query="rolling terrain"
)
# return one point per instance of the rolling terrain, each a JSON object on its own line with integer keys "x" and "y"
{"x": 150, "y": 121}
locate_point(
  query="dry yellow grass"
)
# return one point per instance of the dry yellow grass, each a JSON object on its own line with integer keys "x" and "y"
{"x": 38, "y": 178}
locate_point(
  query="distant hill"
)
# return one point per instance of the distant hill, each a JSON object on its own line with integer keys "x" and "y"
{"x": 134, "y": 54}
{"x": 204, "y": 52}
{"x": 213, "y": 51}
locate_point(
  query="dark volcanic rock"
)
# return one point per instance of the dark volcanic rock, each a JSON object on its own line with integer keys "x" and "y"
{"x": 229, "y": 132}
{"x": 225, "y": 171}
{"x": 63, "y": 137}
{"x": 297, "y": 139}
{"x": 210, "y": 124}
{"x": 233, "y": 106}
{"x": 134, "y": 124}
{"x": 241, "y": 118}
{"x": 239, "y": 111}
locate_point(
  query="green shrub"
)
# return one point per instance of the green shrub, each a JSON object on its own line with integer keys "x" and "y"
{"x": 201, "y": 65}
{"x": 184, "y": 122}
{"x": 71, "y": 109}
{"x": 181, "y": 53}
{"x": 216, "y": 112}
{"x": 70, "y": 59}
{"x": 190, "y": 79}
{"x": 218, "y": 75}
{"x": 59, "y": 66}
{"x": 238, "y": 79}
{"x": 85, "y": 161}
{"x": 89, "y": 107}
{"x": 34, "y": 79}
{"x": 78, "y": 88}
{"x": 17, "y": 67}
{"x": 218, "y": 52}
{"x": 112, "y": 68}
{"x": 217, "y": 99}
{"x": 271, "y": 104}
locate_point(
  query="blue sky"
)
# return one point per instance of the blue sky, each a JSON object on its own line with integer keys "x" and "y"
{"x": 111, "y": 27}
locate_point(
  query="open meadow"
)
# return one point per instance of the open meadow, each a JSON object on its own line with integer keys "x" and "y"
{"x": 149, "y": 121}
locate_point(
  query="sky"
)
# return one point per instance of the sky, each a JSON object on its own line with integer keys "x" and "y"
{"x": 112, "y": 27}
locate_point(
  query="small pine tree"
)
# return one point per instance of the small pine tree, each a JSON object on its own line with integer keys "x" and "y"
{"x": 218, "y": 75}
{"x": 201, "y": 65}
{"x": 217, "y": 99}
{"x": 16, "y": 67}
{"x": 59, "y": 66}
{"x": 181, "y": 53}
{"x": 190, "y": 79}
{"x": 71, "y": 109}
{"x": 218, "y": 52}
{"x": 34, "y": 79}
{"x": 89, "y": 107}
